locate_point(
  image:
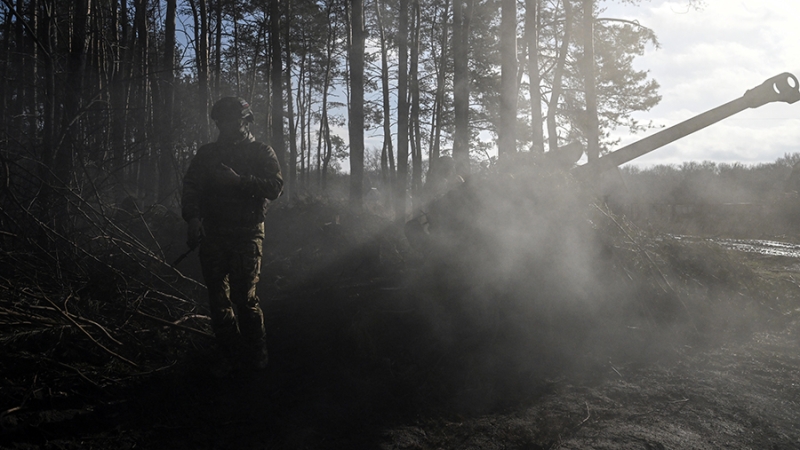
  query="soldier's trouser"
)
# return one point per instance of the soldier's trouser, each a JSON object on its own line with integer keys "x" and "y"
{"x": 231, "y": 262}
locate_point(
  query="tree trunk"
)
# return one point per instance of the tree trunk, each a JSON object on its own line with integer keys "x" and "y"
{"x": 236, "y": 63}
{"x": 416, "y": 174}
{"x": 309, "y": 116}
{"x": 558, "y": 73}
{"x": 145, "y": 167}
{"x": 436, "y": 120}
{"x": 326, "y": 135}
{"x": 291, "y": 177}
{"x": 202, "y": 69}
{"x": 254, "y": 67}
{"x": 592, "y": 128}
{"x": 65, "y": 152}
{"x": 387, "y": 150}
{"x": 18, "y": 61}
{"x": 167, "y": 164}
{"x": 507, "y": 137}
{"x": 218, "y": 50}
{"x": 5, "y": 85}
{"x": 49, "y": 119}
{"x": 276, "y": 80}
{"x": 324, "y": 126}
{"x": 200, "y": 15}
{"x": 461, "y": 19}
{"x": 532, "y": 24}
{"x": 318, "y": 177}
{"x": 301, "y": 114}
{"x": 402, "y": 115}
{"x": 32, "y": 72}
{"x": 356, "y": 119}
{"x": 119, "y": 94}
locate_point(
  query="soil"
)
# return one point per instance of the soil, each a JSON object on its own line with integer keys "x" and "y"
{"x": 364, "y": 356}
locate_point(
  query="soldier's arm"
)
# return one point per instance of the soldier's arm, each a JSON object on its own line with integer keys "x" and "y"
{"x": 267, "y": 181}
{"x": 192, "y": 187}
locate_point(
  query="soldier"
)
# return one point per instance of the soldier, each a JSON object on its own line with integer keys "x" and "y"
{"x": 226, "y": 192}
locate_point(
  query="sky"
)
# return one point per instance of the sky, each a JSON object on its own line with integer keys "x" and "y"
{"x": 708, "y": 57}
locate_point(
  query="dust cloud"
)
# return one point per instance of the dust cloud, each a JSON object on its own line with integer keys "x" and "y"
{"x": 528, "y": 275}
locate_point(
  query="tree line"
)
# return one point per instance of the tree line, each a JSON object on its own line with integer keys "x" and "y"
{"x": 710, "y": 183}
{"x": 104, "y": 100}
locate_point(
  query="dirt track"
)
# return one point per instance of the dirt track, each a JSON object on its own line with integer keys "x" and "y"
{"x": 743, "y": 395}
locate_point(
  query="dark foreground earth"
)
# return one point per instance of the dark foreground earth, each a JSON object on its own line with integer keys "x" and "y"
{"x": 742, "y": 395}
{"x": 356, "y": 362}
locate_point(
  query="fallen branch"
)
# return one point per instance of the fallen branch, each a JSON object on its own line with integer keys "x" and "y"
{"x": 92, "y": 322}
{"x": 615, "y": 370}
{"x": 38, "y": 320}
{"x": 80, "y": 374}
{"x": 175, "y": 325}
{"x": 588, "y": 416}
{"x": 102, "y": 329}
{"x": 96, "y": 342}
{"x": 11, "y": 410}
{"x": 192, "y": 316}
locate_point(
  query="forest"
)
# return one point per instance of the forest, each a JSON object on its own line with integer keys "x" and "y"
{"x": 533, "y": 310}
{"x": 115, "y": 94}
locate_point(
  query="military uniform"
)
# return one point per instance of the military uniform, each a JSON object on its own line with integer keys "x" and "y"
{"x": 233, "y": 223}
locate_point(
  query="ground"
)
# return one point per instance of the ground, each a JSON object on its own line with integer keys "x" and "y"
{"x": 363, "y": 356}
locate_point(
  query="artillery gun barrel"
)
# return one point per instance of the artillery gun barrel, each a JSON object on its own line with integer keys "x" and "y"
{"x": 783, "y": 87}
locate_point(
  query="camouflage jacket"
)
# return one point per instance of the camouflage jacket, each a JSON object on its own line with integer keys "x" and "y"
{"x": 231, "y": 206}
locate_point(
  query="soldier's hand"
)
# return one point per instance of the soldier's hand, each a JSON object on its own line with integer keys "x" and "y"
{"x": 195, "y": 233}
{"x": 225, "y": 176}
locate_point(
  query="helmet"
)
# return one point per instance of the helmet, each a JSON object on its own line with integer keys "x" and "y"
{"x": 228, "y": 108}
